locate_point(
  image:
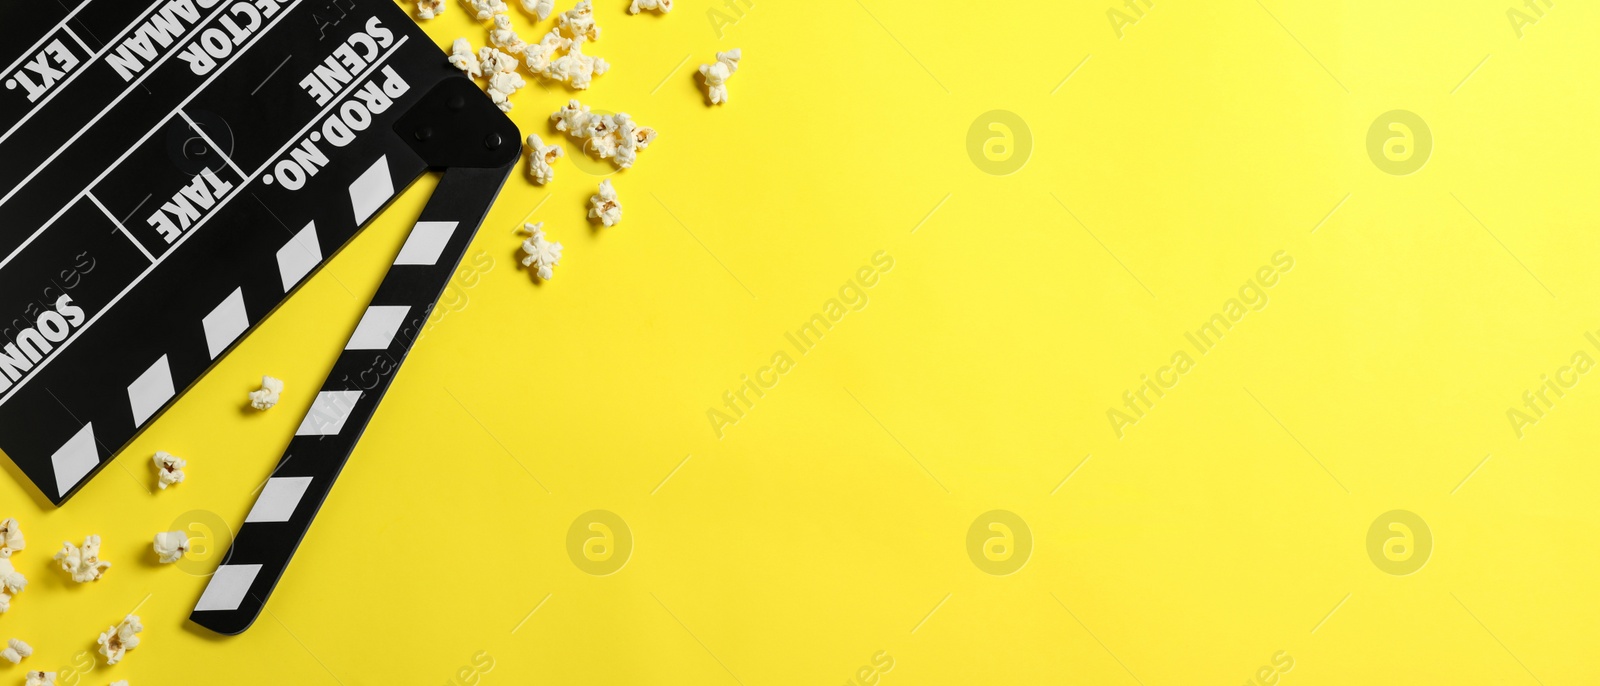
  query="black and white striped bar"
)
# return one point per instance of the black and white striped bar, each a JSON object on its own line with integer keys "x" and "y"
{"x": 163, "y": 191}
{"x": 284, "y": 510}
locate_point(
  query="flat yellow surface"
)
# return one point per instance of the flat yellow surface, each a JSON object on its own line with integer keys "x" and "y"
{"x": 1216, "y": 533}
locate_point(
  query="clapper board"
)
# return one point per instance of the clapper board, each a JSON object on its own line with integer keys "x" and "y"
{"x": 170, "y": 171}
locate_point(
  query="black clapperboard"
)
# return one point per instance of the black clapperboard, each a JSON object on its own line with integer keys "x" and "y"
{"x": 170, "y": 171}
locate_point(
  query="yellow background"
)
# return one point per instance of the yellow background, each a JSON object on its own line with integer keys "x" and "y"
{"x": 830, "y": 523}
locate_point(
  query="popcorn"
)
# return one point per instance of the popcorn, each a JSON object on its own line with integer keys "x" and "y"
{"x": 501, "y": 86}
{"x": 84, "y": 564}
{"x": 267, "y": 397}
{"x": 123, "y": 682}
{"x": 631, "y": 138}
{"x": 483, "y": 10}
{"x": 579, "y": 21}
{"x": 504, "y": 37}
{"x": 539, "y": 56}
{"x": 495, "y": 62}
{"x": 169, "y": 468}
{"x": 716, "y": 75}
{"x": 41, "y": 679}
{"x": 540, "y": 158}
{"x": 602, "y": 146}
{"x": 10, "y": 537}
{"x": 558, "y": 57}
{"x": 11, "y": 583}
{"x": 428, "y": 9}
{"x": 16, "y": 651}
{"x": 575, "y": 68}
{"x": 116, "y": 641}
{"x": 540, "y": 253}
{"x": 604, "y": 205}
{"x": 572, "y": 117}
{"x": 462, "y": 57}
{"x": 171, "y": 546}
{"x": 538, "y": 8}
{"x": 663, "y": 6}
{"x": 616, "y": 137}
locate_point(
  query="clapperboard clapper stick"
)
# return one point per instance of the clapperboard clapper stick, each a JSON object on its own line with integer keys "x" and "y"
{"x": 170, "y": 172}
{"x": 456, "y": 127}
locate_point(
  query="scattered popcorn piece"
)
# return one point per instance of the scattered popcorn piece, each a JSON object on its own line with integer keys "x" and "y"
{"x": 575, "y": 68}
{"x": 11, "y": 537}
{"x": 84, "y": 564}
{"x": 267, "y": 397}
{"x": 616, "y": 137}
{"x": 495, "y": 62}
{"x": 462, "y": 57}
{"x": 483, "y": 10}
{"x": 41, "y": 679}
{"x": 123, "y": 682}
{"x": 631, "y": 138}
{"x": 169, "y": 468}
{"x": 428, "y": 9}
{"x": 579, "y": 21}
{"x": 716, "y": 75}
{"x": 11, "y": 583}
{"x": 501, "y": 86}
{"x": 16, "y": 651}
{"x": 171, "y": 546}
{"x": 116, "y": 641}
{"x": 540, "y": 254}
{"x": 572, "y": 117}
{"x": 662, "y": 6}
{"x": 604, "y": 205}
{"x": 539, "y": 56}
{"x": 504, "y": 37}
{"x": 539, "y": 8}
{"x": 540, "y": 157}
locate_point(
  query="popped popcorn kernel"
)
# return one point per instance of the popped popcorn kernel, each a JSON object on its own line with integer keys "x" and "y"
{"x": 716, "y": 75}
{"x": 462, "y": 57}
{"x": 84, "y": 564}
{"x": 662, "y": 6}
{"x": 604, "y": 205}
{"x": 540, "y": 157}
{"x": 572, "y": 117}
{"x": 11, "y": 583}
{"x": 579, "y": 21}
{"x": 505, "y": 37}
{"x": 541, "y": 55}
{"x": 501, "y": 86}
{"x": 40, "y": 679}
{"x": 495, "y": 62}
{"x": 616, "y": 137}
{"x": 483, "y": 10}
{"x": 11, "y": 540}
{"x": 267, "y": 397}
{"x": 123, "y": 682}
{"x": 631, "y": 138}
{"x": 171, "y": 546}
{"x": 169, "y": 469}
{"x": 428, "y": 9}
{"x": 540, "y": 254}
{"x": 116, "y": 641}
{"x": 16, "y": 650}
{"x": 575, "y": 68}
{"x": 540, "y": 9}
